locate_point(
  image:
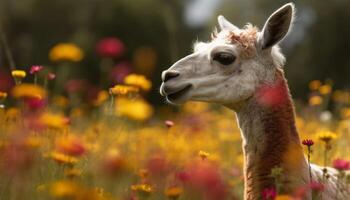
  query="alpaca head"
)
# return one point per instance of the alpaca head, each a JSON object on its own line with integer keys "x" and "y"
{"x": 229, "y": 68}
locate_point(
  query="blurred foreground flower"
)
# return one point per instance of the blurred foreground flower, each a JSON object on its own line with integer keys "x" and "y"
{"x": 70, "y": 145}
{"x": 26, "y": 90}
{"x": 173, "y": 192}
{"x": 205, "y": 179}
{"x": 138, "y": 81}
{"x": 113, "y": 162}
{"x": 110, "y": 47}
{"x": 284, "y": 197}
{"x": 63, "y": 158}
{"x": 341, "y": 164}
{"x": 56, "y": 121}
{"x": 269, "y": 194}
{"x": 64, "y": 189}
{"x": 66, "y": 52}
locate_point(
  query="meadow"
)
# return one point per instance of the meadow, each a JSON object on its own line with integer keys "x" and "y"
{"x": 62, "y": 138}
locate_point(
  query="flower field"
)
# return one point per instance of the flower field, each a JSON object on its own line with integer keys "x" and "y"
{"x": 61, "y": 138}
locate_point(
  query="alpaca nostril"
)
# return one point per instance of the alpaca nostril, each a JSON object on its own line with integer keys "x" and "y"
{"x": 169, "y": 75}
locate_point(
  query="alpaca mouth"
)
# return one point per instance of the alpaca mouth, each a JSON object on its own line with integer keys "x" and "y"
{"x": 179, "y": 96}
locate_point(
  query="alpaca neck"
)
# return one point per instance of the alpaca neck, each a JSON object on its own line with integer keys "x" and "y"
{"x": 270, "y": 139}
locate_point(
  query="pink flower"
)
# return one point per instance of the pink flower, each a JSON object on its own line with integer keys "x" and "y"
{"x": 110, "y": 47}
{"x": 269, "y": 193}
{"x": 205, "y": 178}
{"x": 51, "y": 76}
{"x": 341, "y": 164}
{"x": 35, "y": 69}
{"x": 308, "y": 142}
{"x": 316, "y": 186}
{"x": 169, "y": 123}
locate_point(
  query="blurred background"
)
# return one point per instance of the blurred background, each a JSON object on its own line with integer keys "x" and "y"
{"x": 156, "y": 33}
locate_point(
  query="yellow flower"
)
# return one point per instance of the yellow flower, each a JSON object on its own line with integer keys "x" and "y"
{"x": 66, "y": 52}
{"x": 283, "y": 197}
{"x": 28, "y": 90}
{"x": 54, "y": 120}
{"x": 18, "y": 74}
{"x": 325, "y": 89}
{"x": 102, "y": 96}
{"x": 72, "y": 172}
{"x": 3, "y": 95}
{"x": 315, "y": 84}
{"x": 123, "y": 90}
{"x": 137, "y": 109}
{"x": 173, "y": 192}
{"x": 327, "y": 136}
{"x": 63, "y": 158}
{"x": 138, "y": 81}
{"x": 315, "y": 100}
{"x": 203, "y": 154}
{"x": 143, "y": 188}
{"x": 64, "y": 189}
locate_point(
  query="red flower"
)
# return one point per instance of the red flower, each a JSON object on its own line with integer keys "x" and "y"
{"x": 308, "y": 142}
{"x": 35, "y": 103}
{"x": 110, "y": 47}
{"x": 35, "y": 69}
{"x": 269, "y": 194}
{"x": 341, "y": 164}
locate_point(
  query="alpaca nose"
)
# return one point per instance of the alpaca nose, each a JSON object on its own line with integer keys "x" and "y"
{"x": 169, "y": 74}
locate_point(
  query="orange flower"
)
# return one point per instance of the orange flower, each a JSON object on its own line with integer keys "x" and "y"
{"x": 26, "y": 90}
{"x": 66, "y": 52}
{"x": 62, "y": 158}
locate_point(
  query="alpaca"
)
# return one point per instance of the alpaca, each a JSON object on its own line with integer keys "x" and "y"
{"x": 242, "y": 70}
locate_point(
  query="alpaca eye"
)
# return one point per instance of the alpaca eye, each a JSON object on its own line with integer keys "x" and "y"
{"x": 224, "y": 58}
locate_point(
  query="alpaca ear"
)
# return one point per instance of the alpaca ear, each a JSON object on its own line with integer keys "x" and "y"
{"x": 225, "y": 24}
{"x": 276, "y": 26}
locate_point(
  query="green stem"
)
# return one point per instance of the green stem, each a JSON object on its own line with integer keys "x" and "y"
{"x": 35, "y": 79}
{"x": 308, "y": 161}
